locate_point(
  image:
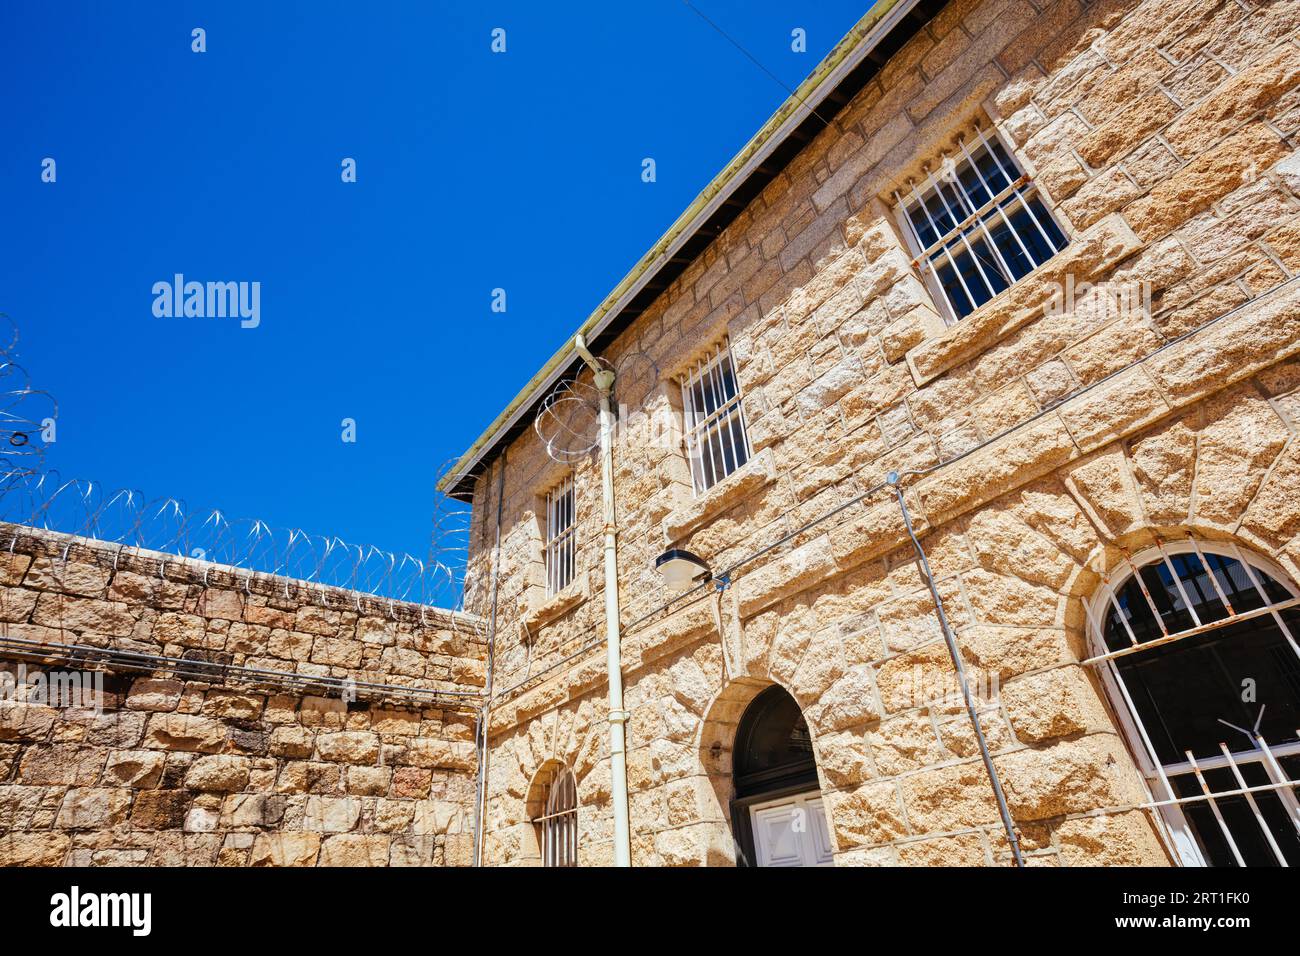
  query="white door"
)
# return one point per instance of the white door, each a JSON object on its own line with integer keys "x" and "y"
{"x": 791, "y": 831}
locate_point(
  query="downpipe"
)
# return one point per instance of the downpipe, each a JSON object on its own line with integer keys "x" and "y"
{"x": 481, "y": 722}
{"x": 614, "y": 664}
{"x": 955, "y": 654}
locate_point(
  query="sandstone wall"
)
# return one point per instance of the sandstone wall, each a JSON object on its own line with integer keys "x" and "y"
{"x": 217, "y": 767}
{"x": 1162, "y": 134}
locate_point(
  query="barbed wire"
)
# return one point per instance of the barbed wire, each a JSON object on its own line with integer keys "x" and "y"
{"x": 129, "y": 517}
{"x": 35, "y": 497}
{"x": 27, "y": 415}
{"x": 568, "y": 417}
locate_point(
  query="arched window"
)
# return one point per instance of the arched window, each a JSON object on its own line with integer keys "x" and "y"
{"x": 1198, "y": 648}
{"x": 560, "y": 821}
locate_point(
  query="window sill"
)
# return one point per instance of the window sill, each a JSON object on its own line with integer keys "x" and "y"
{"x": 754, "y": 474}
{"x": 533, "y": 619}
{"x": 1087, "y": 256}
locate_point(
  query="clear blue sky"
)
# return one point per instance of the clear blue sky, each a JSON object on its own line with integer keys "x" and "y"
{"x": 475, "y": 171}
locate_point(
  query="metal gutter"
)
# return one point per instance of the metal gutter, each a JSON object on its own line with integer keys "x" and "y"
{"x": 859, "y": 48}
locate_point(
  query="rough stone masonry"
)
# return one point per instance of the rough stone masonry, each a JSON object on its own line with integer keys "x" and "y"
{"x": 1162, "y": 135}
{"x": 218, "y": 769}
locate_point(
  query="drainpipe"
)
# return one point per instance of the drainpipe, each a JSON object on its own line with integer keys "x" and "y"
{"x": 481, "y": 724}
{"x": 955, "y": 654}
{"x": 617, "y": 715}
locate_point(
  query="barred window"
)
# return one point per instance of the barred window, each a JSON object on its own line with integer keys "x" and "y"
{"x": 716, "y": 443}
{"x": 560, "y": 537}
{"x": 1198, "y": 646}
{"x": 976, "y": 224}
{"x": 560, "y": 822}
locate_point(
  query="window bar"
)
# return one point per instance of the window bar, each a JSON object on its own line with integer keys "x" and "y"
{"x": 946, "y": 252}
{"x": 1214, "y": 578}
{"x": 550, "y": 544}
{"x": 706, "y": 447}
{"x": 981, "y": 221}
{"x": 724, "y": 351}
{"x": 1250, "y": 798}
{"x": 961, "y": 233}
{"x": 1214, "y": 805}
{"x": 1178, "y": 582}
{"x": 702, "y": 423}
{"x": 1277, "y": 618}
{"x": 1286, "y": 788}
{"x": 947, "y": 242}
{"x": 1194, "y": 579}
{"x": 1180, "y": 802}
{"x": 702, "y": 426}
{"x": 692, "y": 450}
{"x": 714, "y": 418}
{"x": 969, "y": 221}
{"x": 740, "y": 410}
{"x": 1094, "y": 622}
{"x": 737, "y": 435}
{"x": 1123, "y": 618}
{"x": 1194, "y": 631}
{"x": 1155, "y": 611}
{"x": 1142, "y": 732}
{"x": 719, "y": 405}
{"x": 693, "y": 444}
{"x": 1024, "y": 200}
{"x": 548, "y": 833}
{"x": 997, "y": 204}
{"x": 561, "y": 536}
{"x": 1278, "y": 776}
{"x": 1254, "y": 755}
{"x": 1022, "y": 196}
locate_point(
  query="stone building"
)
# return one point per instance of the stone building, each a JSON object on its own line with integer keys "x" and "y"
{"x": 984, "y": 351}
{"x": 1029, "y": 268}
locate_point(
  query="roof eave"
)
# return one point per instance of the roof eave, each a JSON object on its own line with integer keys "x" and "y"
{"x": 856, "y": 45}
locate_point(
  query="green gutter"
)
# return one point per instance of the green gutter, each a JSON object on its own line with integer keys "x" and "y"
{"x": 566, "y": 355}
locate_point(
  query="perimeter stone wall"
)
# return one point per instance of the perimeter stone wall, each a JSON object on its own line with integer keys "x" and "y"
{"x": 216, "y": 767}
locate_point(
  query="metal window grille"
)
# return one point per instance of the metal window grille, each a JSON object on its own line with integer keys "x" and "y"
{"x": 716, "y": 440}
{"x": 560, "y": 822}
{"x": 1197, "y": 646}
{"x": 561, "y": 537}
{"x": 977, "y": 224}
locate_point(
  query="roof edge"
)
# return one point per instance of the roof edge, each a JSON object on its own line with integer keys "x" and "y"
{"x": 877, "y": 23}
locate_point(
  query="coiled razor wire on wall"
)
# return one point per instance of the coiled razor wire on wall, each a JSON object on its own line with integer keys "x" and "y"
{"x": 37, "y": 498}
{"x": 26, "y": 414}
{"x": 128, "y": 517}
{"x": 568, "y": 421}
{"x": 568, "y": 418}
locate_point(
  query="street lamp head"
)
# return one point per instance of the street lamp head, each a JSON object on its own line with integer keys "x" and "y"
{"x": 680, "y": 569}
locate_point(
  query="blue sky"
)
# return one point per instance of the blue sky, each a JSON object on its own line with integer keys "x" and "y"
{"x": 475, "y": 171}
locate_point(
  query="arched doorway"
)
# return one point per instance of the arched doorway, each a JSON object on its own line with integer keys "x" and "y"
{"x": 777, "y": 815}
